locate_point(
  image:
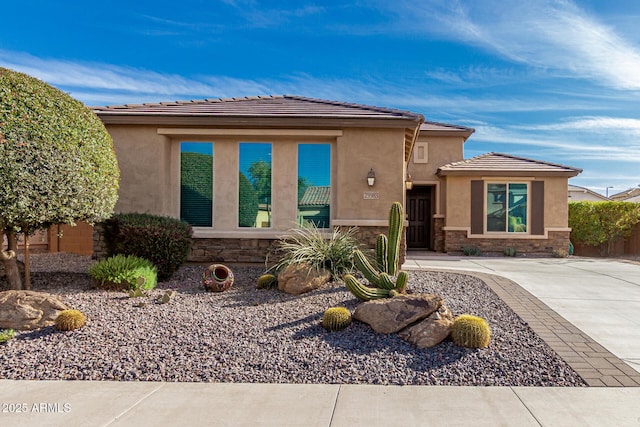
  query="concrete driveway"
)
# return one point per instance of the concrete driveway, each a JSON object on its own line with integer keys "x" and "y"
{"x": 601, "y": 296}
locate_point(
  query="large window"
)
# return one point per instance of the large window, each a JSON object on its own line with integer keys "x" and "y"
{"x": 507, "y": 207}
{"x": 314, "y": 184}
{"x": 254, "y": 209}
{"x": 196, "y": 183}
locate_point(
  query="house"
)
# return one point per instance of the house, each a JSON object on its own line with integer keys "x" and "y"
{"x": 579, "y": 194}
{"x": 626, "y": 194}
{"x": 244, "y": 171}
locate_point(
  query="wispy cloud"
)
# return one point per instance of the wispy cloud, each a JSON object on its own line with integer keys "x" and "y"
{"x": 98, "y": 84}
{"x": 592, "y": 124}
{"x": 553, "y": 35}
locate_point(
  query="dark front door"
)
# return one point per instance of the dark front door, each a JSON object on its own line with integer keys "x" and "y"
{"x": 419, "y": 213}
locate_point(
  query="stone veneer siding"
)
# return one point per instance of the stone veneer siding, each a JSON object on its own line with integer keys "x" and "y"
{"x": 99, "y": 246}
{"x": 558, "y": 241}
{"x": 244, "y": 250}
{"x": 438, "y": 238}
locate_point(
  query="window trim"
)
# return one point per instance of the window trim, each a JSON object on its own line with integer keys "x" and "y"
{"x": 506, "y": 233}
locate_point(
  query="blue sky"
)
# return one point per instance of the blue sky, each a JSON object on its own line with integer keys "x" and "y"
{"x": 552, "y": 80}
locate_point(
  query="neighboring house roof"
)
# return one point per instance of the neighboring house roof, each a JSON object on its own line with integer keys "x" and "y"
{"x": 577, "y": 193}
{"x": 635, "y": 199}
{"x": 498, "y": 164}
{"x": 285, "y": 106}
{"x": 624, "y": 195}
{"x": 440, "y": 129}
{"x": 316, "y": 196}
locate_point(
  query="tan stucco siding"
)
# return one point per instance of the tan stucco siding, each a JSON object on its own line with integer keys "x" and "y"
{"x": 150, "y": 173}
{"x": 144, "y": 160}
{"x": 458, "y": 211}
{"x": 441, "y": 150}
{"x": 556, "y": 207}
{"x": 357, "y": 151}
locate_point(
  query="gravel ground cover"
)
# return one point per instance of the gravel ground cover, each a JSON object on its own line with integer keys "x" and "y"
{"x": 250, "y": 335}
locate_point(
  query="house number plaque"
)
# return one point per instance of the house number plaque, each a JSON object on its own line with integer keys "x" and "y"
{"x": 371, "y": 195}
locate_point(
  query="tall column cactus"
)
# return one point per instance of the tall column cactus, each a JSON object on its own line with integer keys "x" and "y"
{"x": 396, "y": 221}
{"x": 387, "y": 259}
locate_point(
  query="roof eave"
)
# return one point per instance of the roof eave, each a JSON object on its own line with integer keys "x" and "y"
{"x": 112, "y": 118}
{"x": 508, "y": 173}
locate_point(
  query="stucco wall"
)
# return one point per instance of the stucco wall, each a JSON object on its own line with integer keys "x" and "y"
{"x": 459, "y": 199}
{"x": 556, "y": 206}
{"x": 441, "y": 150}
{"x": 144, "y": 160}
{"x": 150, "y": 175}
{"x": 357, "y": 151}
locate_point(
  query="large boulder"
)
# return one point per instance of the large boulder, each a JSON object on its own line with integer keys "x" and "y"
{"x": 25, "y": 310}
{"x": 390, "y": 315}
{"x": 297, "y": 279}
{"x": 430, "y": 331}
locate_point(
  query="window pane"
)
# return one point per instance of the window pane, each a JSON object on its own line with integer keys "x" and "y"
{"x": 255, "y": 185}
{"x": 496, "y": 207}
{"x": 314, "y": 184}
{"x": 518, "y": 208}
{"x": 196, "y": 183}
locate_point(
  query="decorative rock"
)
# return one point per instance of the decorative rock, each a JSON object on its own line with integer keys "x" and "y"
{"x": 431, "y": 331}
{"x": 25, "y": 310}
{"x": 298, "y": 279}
{"x": 390, "y": 315}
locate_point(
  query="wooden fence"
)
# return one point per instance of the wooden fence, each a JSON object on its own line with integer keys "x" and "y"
{"x": 624, "y": 247}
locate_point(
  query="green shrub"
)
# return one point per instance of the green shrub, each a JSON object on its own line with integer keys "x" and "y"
{"x": 162, "y": 240}
{"x": 471, "y": 251}
{"x": 311, "y": 246}
{"x": 508, "y": 251}
{"x": 123, "y": 272}
{"x": 6, "y": 335}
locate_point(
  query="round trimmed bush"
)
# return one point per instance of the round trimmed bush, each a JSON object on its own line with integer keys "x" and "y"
{"x": 163, "y": 240}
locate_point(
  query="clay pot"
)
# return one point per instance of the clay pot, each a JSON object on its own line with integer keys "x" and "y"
{"x": 217, "y": 278}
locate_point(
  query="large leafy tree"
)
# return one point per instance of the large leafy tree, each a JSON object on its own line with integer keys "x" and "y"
{"x": 57, "y": 163}
{"x": 602, "y": 223}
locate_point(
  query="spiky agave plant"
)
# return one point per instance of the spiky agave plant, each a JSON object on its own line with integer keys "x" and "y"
{"x": 319, "y": 249}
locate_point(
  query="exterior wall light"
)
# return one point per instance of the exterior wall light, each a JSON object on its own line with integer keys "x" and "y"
{"x": 408, "y": 183}
{"x": 371, "y": 177}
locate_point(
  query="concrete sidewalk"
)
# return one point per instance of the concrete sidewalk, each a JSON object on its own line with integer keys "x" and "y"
{"x": 88, "y": 403}
{"x": 600, "y": 297}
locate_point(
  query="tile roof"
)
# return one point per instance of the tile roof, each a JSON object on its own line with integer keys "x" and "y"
{"x": 316, "y": 196}
{"x": 623, "y": 195}
{"x": 444, "y": 127}
{"x": 260, "y": 106}
{"x": 505, "y": 164}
